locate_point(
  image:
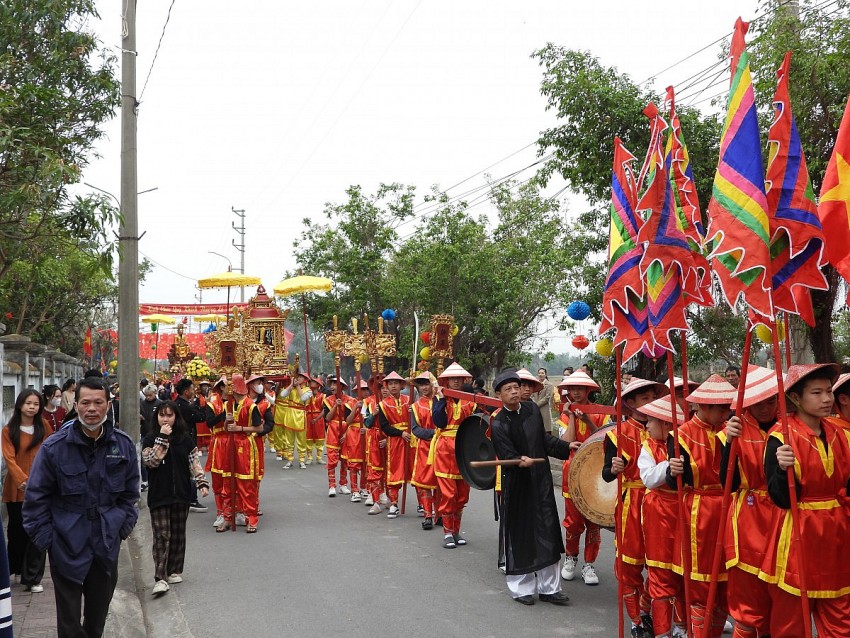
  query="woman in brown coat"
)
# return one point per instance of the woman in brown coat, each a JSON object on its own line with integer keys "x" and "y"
{"x": 21, "y": 439}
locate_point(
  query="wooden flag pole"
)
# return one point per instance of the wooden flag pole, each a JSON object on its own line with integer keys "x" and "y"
{"x": 618, "y": 511}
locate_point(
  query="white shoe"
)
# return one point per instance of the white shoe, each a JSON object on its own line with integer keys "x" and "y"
{"x": 36, "y": 589}
{"x": 218, "y": 520}
{"x": 175, "y": 578}
{"x": 679, "y": 632}
{"x": 384, "y": 500}
{"x": 568, "y": 571}
{"x": 503, "y": 568}
{"x": 393, "y": 513}
{"x": 588, "y": 573}
{"x": 728, "y": 628}
{"x": 331, "y": 492}
{"x": 321, "y": 461}
{"x": 302, "y": 466}
{"x": 160, "y": 588}
{"x": 344, "y": 489}
{"x": 364, "y": 493}
{"x": 355, "y": 498}
{"x": 369, "y": 500}
{"x": 375, "y": 509}
{"x": 288, "y": 465}
{"x": 241, "y": 520}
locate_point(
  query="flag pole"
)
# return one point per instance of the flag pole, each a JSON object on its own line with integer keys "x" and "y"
{"x": 618, "y": 511}
{"x": 787, "y": 323}
{"x": 726, "y": 480}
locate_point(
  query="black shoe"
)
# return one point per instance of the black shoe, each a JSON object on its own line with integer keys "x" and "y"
{"x": 427, "y": 524}
{"x": 197, "y": 507}
{"x": 525, "y": 600}
{"x": 646, "y": 623}
{"x": 439, "y": 521}
{"x": 639, "y": 632}
{"x": 556, "y": 599}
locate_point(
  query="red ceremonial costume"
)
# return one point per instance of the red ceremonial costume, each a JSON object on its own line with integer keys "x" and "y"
{"x": 395, "y": 418}
{"x": 337, "y": 429}
{"x": 423, "y": 477}
{"x": 353, "y": 450}
{"x": 245, "y": 464}
{"x": 202, "y": 430}
{"x": 315, "y": 425}
{"x": 376, "y": 456}
{"x": 217, "y": 459}
{"x": 822, "y": 472}
{"x": 447, "y": 415}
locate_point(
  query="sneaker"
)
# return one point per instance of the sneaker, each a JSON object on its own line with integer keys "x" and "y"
{"x": 355, "y": 498}
{"x": 175, "y": 578}
{"x": 588, "y": 573}
{"x": 369, "y": 500}
{"x": 449, "y": 541}
{"x": 420, "y": 511}
{"x": 459, "y": 540}
{"x": 344, "y": 489}
{"x": 321, "y": 461}
{"x": 568, "y": 571}
{"x": 160, "y": 588}
{"x": 224, "y": 526}
{"x": 503, "y": 569}
{"x": 393, "y": 513}
{"x": 365, "y": 494}
{"x": 639, "y": 632}
{"x": 35, "y": 589}
{"x": 679, "y": 632}
{"x": 384, "y": 500}
{"x": 279, "y": 457}
{"x": 302, "y": 466}
{"x": 241, "y": 521}
{"x": 375, "y": 509}
{"x": 646, "y": 622}
{"x": 288, "y": 465}
{"x": 309, "y": 461}
{"x": 331, "y": 492}
{"x": 144, "y": 486}
{"x": 728, "y": 628}
{"x": 197, "y": 507}
{"x": 218, "y": 520}
{"x": 427, "y": 524}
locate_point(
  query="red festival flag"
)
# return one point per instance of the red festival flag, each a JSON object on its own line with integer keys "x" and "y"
{"x": 738, "y": 225}
{"x": 834, "y": 206}
{"x": 796, "y": 236}
{"x": 87, "y": 349}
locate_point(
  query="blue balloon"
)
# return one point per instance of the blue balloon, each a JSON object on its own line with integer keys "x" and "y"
{"x": 388, "y": 314}
{"x": 578, "y": 310}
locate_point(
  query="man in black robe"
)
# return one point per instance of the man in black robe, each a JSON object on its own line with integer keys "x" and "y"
{"x": 530, "y": 524}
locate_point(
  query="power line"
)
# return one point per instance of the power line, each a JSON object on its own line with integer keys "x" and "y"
{"x": 156, "y": 53}
{"x": 174, "y": 272}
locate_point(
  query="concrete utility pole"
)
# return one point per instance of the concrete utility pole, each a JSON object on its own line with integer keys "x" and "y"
{"x": 240, "y": 229}
{"x": 128, "y": 239}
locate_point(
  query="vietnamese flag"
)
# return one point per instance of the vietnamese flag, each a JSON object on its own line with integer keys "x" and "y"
{"x": 87, "y": 349}
{"x": 834, "y": 205}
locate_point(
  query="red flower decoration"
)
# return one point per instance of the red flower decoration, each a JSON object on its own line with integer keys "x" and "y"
{"x": 9, "y": 315}
{"x": 580, "y": 342}
{"x": 426, "y": 337}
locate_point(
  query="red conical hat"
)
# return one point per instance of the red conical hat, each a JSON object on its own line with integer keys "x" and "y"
{"x": 364, "y": 385}
{"x": 714, "y": 391}
{"x": 395, "y": 376}
{"x": 239, "y": 385}
{"x": 454, "y": 371}
{"x": 579, "y": 378}
{"x": 761, "y": 385}
{"x": 221, "y": 381}
{"x": 797, "y": 373}
{"x": 527, "y": 377}
{"x": 639, "y": 384}
{"x": 254, "y": 377}
{"x": 424, "y": 377}
{"x": 341, "y": 381}
{"x": 844, "y": 378}
{"x": 660, "y": 409}
{"x": 678, "y": 382}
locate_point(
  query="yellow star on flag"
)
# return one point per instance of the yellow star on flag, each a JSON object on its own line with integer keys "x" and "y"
{"x": 841, "y": 191}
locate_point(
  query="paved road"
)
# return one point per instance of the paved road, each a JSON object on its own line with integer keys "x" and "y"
{"x": 321, "y": 566}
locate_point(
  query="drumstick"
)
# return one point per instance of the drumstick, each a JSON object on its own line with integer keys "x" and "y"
{"x": 502, "y": 462}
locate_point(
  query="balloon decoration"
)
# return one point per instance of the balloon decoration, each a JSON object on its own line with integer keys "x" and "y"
{"x": 605, "y": 348}
{"x": 578, "y": 311}
{"x": 656, "y": 352}
{"x": 425, "y": 353}
{"x": 426, "y": 337}
{"x": 765, "y": 335}
{"x": 455, "y": 330}
{"x": 388, "y": 314}
{"x": 580, "y": 342}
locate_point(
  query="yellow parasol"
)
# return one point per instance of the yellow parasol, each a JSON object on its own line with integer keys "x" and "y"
{"x": 301, "y": 285}
{"x": 215, "y": 318}
{"x": 159, "y": 319}
{"x": 228, "y": 280}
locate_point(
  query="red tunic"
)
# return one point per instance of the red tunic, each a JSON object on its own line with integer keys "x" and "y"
{"x": 315, "y": 431}
{"x": 659, "y": 515}
{"x": 822, "y": 472}
{"x": 376, "y": 456}
{"x": 399, "y": 461}
{"x": 217, "y": 459}
{"x": 703, "y": 499}
{"x": 423, "y": 474}
{"x": 247, "y": 455}
{"x": 353, "y": 447}
{"x": 201, "y": 429}
{"x": 442, "y": 453}
{"x": 583, "y": 432}
{"x": 633, "y": 434}
{"x": 336, "y": 420}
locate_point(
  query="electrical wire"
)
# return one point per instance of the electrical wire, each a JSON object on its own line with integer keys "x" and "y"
{"x": 156, "y": 53}
{"x": 172, "y": 271}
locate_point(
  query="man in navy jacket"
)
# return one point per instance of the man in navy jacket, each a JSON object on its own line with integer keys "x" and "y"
{"x": 80, "y": 504}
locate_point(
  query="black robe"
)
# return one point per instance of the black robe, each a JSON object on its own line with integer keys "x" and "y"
{"x": 530, "y": 524}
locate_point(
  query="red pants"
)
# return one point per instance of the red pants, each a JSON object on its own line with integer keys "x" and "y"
{"x": 634, "y": 594}
{"x": 333, "y": 461}
{"x": 699, "y": 597}
{"x": 355, "y": 476}
{"x": 426, "y": 500}
{"x": 832, "y": 615}
{"x": 218, "y": 493}
{"x": 575, "y": 524}
{"x": 666, "y": 589}
{"x": 454, "y": 494}
{"x": 247, "y": 499}
{"x": 749, "y": 601}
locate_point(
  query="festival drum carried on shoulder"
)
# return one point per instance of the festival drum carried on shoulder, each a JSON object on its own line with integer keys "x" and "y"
{"x": 592, "y": 496}
{"x": 473, "y": 444}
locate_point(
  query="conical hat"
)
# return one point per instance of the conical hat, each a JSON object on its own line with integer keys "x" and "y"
{"x": 761, "y": 385}
{"x": 661, "y": 410}
{"x": 395, "y": 376}
{"x": 579, "y": 378}
{"x": 341, "y": 381}
{"x": 527, "y": 377}
{"x": 454, "y": 371}
{"x": 221, "y": 381}
{"x": 797, "y": 373}
{"x": 844, "y": 378}
{"x": 239, "y": 385}
{"x": 678, "y": 382}
{"x": 364, "y": 385}
{"x": 254, "y": 377}
{"x": 639, "y": 384}
{"x": 714, "y": 391}
{"x": 424, "y": 377}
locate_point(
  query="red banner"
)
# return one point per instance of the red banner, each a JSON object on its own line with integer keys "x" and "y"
{"x": 148, "y": 341}
{"x": 188, "y": 309}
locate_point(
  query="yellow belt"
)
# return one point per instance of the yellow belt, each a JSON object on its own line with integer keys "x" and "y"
{"x": 632, "y": 484}
{"x": 432, "y": 451}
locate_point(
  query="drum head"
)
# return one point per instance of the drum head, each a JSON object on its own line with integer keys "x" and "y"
{"x": 592, "y": 496}
{"x": 473, "y": 444}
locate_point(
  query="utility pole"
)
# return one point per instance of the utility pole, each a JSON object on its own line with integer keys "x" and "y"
{"x": 128, "y": 233}
{"x": 240, "y": 230}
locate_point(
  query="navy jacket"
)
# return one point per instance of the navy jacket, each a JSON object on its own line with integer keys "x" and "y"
{"x": 81, "y": 498}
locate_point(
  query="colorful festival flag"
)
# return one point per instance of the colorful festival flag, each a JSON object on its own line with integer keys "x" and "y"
{"x": 87, "y": 349}
{"x": 739, "y": 227}
{"x": 796, "y": 244}
{"x": 834, "y": 206}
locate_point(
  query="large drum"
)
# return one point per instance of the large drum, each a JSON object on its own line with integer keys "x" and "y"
{"x": 592, "y": 496}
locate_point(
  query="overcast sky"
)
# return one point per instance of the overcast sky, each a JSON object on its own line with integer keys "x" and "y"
{"x": 277, "y": 107}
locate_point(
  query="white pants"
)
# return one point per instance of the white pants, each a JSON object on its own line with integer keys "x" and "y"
{"x": 543, "y": 581}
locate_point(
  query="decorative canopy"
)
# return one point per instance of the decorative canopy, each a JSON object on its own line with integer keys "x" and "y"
{"x": 301, "y": 284}
{"x": 228, "y": 280}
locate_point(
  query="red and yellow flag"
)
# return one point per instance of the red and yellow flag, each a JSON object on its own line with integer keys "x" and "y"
{"x": 87, "y": 350}
{"x": 834, "y": 205}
